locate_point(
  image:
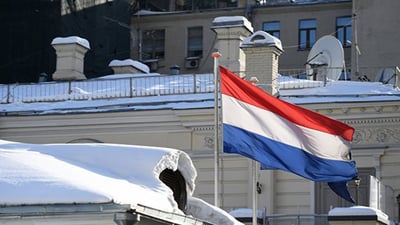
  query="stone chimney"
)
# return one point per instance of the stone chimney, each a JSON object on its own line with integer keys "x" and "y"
{"x": 128, "y": 66}
{"x": 262, "y": 53}
{"x": 357, "y": 215}
{"x": 231, "y": 31}
{"x": 70, "y": 57}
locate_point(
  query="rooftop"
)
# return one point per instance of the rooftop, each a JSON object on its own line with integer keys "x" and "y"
{"x": 154, "y": 91}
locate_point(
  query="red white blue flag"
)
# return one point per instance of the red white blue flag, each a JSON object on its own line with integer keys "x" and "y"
{"x": 284, "y": 136}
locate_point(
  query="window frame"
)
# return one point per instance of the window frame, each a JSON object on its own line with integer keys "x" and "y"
{"x": 153, "y": 44}
{"x": 346, "y": 31}
{"x": 310, "y": 32}
{"x": 205, "y": 5}
{"x": 194, "y": 39}
{"x": 274, "y": 32}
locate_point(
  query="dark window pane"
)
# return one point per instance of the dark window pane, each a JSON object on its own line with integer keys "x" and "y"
{"x": 153, "y": 44}
{"x": 195, "y": 41}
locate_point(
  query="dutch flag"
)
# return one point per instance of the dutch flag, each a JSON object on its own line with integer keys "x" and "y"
{"x": 284, "y": 136}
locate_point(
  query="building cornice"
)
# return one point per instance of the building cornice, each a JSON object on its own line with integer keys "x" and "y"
{"x": 362, "y": 110}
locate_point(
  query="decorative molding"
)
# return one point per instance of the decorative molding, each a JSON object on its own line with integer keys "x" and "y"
{"x": 377, "y": 136}
{"x": 376, "y": 121}
{"x": 204, "y": 136}
{"x": 208, "y": 128}
{"x": 377, "y": 108}
{"x": 209, "y": 142}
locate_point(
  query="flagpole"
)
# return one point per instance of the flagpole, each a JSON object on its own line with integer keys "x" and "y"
{"x": 216, "y": 55}
{"x": 254, "y": 193}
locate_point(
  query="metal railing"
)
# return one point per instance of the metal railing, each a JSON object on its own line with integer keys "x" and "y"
{"x": 130, "y": 87}
{"x": 107, "y": 88}
{"x": 297, "y": 219}
{"x": 296, "y": 79}
{"x": 156, "y": 85}
{"x": 288, "y": 219}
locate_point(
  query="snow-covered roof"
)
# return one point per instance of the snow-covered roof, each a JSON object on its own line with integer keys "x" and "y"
{"x": 297, "y": 91}
{"x": 90, "y": 173}
{"x": 40, "y": 174}
{"x": 335, "y": 91}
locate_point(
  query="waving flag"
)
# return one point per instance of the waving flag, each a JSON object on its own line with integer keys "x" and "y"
{"x": 284, "y": 136}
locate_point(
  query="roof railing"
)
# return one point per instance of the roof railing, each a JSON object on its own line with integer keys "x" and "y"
{"x": 96, "y": 89}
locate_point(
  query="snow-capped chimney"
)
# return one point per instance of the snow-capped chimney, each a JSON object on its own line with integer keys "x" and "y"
{"x": 128, "y": 66}
{"x": 262, "y": 56}
{"x": 70, "y": 57}
{"x": 231, "y": 30}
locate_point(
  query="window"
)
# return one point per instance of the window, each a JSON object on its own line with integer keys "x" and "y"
{"x": 307, "y": 33}
{"x": 211, "y": 4}
{"x": 343, "y": 30}
{"x": 195, "y": 42}
{"x": 153, "y": 44}
{"x": 273, "y": 28}
{"x": 183, "y": 5}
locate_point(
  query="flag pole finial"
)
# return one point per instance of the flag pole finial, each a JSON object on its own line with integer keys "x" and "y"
{"x": 216, "y": 55}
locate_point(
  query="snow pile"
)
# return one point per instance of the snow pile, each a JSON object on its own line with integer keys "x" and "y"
{"x": 341, "y": 91}
{"x": 209, "y": 213}
{"x": 32, "y": 174}
{"x": 359, "y": 211}
{"x": 71, "y": 40}
{"x": 245, "y": 213}
{"x": 231, "y": 21}
{"x": 262, "y": 38}
{"x": 89, "y": 173}
{"x": 130, "y": 62}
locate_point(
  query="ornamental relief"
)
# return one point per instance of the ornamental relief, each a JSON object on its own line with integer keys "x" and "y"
{"x": 203, "y": 137}
{"x": 379, "y": 135}
{"x": 356, "y": 110}
{"x": 209, "y": 142}
{"x": 378, "y": 121}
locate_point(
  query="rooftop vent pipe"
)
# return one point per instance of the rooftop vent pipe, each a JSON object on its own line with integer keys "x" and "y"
{"x": 175, "y": 69}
